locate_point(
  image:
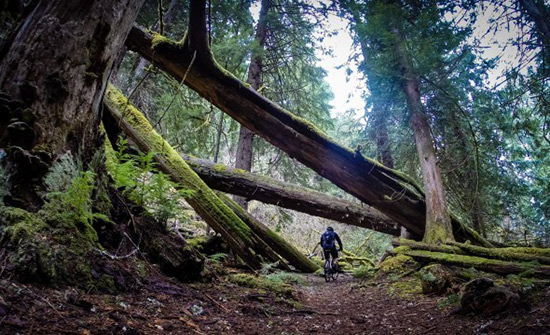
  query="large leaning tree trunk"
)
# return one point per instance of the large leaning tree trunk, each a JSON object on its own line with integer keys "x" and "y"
{"x": 246, "y": 242}
{"x": 52, "y": 80}
{"x": 298, "y": 198}
{"x": 387, "y": 190}
{"x": 244, "y": 156}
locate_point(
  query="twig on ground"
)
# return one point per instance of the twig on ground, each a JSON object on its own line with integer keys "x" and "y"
{"x": 41, "y": 298}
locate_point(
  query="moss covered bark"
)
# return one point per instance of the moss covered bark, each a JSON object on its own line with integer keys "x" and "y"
{"x": 479, "y": 263}
{"x": 301, "y": 199}
{"x": 502, "y": 253}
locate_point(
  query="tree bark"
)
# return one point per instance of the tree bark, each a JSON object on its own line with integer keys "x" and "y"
{"x": 438, "y": 222}
{"x": 387, "y": 190}
{"x": 301, "y": 199}
{"x": 245, "y": 145}
{"x": 52, "y": 80}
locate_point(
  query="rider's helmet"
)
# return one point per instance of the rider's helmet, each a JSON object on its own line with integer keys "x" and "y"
{"x": 330, "y": 229}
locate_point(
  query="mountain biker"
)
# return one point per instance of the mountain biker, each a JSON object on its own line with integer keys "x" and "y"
{"x": 328, "y": 243}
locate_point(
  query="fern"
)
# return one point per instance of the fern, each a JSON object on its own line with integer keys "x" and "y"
{"x": 142, "y": 183}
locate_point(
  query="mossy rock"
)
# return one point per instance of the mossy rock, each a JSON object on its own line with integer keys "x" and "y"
{"x": 398, "y": 264}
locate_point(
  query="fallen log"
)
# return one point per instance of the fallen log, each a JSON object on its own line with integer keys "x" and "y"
{"x": 479, "y": 263}
{"x": 191, "y": 62}
{"x": 301, "y": 199}
{"x": 253, "y": 237}
{"x": 501, "y": 253}
{"x": 204, "y": 201}
{"x": 504, "y": 254}
{"x": 283, "y": 248}
{"x": 428, "y": 247}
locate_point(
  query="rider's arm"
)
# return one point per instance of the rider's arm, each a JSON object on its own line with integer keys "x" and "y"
{"x": 339, "y": 242}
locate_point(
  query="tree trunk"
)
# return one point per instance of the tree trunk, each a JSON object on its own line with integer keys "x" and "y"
{"x": 387, "y": 190}
{"x": 52, "y": 80}
{"x": 381, "y": 135}
{"x": 286, "y": 250}
{"x": 539, "y": 13}
{"x": 245, "y": 145}
{"x": 438, "y": 223}
{"x": 247, "y": 244}
{"x": 301, "y": 199}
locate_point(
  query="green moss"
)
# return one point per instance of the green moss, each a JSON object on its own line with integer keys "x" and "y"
{"x": 261, "y": 283}
{"x": 525, "y": 250}
{"x": 397, "y": 264}
{"x": 452, "y": 300}
{"x": 220, "y": 167}
{"x": 106, "y": 283}
{"x": 364, "y": 272}
{"x": 196, "y": 242}
{"x": 405, "y": 288}
{"x": 159, "y": 40}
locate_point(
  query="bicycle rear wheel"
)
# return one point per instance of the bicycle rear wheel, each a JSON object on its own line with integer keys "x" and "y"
{"x": 327, "y": 271}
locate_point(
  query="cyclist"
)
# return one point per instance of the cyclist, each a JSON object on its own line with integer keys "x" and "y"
{"x": 328, "y": 243}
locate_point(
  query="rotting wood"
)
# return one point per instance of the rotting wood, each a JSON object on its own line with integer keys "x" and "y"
{"x": 301, "y": 199}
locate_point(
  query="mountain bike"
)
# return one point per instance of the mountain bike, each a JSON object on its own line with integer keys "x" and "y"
{"x": 330, "y": 269}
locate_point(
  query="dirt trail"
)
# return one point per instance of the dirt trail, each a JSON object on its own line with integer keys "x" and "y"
{"x": 164, "y": 306}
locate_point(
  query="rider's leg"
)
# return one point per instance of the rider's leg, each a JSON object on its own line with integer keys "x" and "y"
{"x": 335, "y": 258}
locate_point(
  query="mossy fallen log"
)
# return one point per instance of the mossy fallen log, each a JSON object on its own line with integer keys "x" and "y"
{"x": 428, "y": 247}
{"x": 301, "y": 199}
{"x": 283, "y": 248}
{"x": 506, "y": 254}
{"x": 204, "y": 201}
{"x": 351, "y": 258}
{"x": 479, "y": 263}
{"x": 191, "y": 62}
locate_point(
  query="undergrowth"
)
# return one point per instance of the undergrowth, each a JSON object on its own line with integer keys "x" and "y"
{"x": 144, "y": 184}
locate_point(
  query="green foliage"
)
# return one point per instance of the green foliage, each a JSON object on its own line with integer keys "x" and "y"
{"x": 69, "y": 200}
{"x": 4, "y": 185}
{"x": 364, "y": 272}
{"x": 144, "y": 184}
{"x": 281, "y": 277}
{"x": 217, "y": 258}
{"x": 53, "y": 244}
{"x": 452, "y": 300}
{"x": 261, "y": 283}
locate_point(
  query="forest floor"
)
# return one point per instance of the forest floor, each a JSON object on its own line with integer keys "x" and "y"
{"x": 164, "y": 306}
